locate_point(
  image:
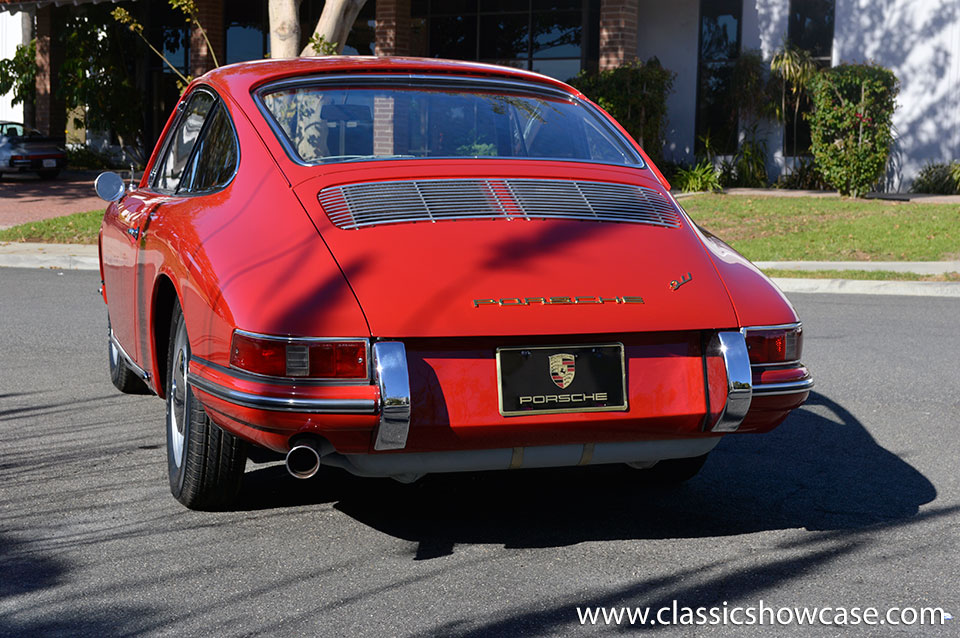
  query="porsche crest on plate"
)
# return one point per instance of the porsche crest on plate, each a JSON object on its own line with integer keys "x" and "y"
{"x": 562, "y": 369}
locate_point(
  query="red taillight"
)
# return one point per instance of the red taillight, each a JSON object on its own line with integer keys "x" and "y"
{"x": 774, "y": 345}
{"x": 281, "y": 357}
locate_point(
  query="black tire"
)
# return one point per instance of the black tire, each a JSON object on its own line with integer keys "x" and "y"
{"x": 122, "y": 376}
{"x": 51, "y": 174}
{"x": 671, "y": 471}
{"x": 205, "y": 462}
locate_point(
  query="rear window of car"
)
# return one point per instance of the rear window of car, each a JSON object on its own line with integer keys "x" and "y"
{"x": 322, "y": 124}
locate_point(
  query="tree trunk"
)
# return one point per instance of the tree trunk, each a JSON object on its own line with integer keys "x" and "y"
{"x": 335, "y": 23}
{"x": 284, "y": 28}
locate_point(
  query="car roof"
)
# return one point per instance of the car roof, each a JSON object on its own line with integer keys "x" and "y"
{"x": 244, "y": 76}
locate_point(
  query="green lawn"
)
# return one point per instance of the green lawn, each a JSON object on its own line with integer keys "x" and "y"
{"x": 762, "y": 228}
{"x": 875, "y": 275}
{"x": 79, "y": 228}
{"x": 829, "y": 229}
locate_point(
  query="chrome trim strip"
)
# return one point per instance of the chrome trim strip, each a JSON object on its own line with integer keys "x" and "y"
{"x": 778, "y": 365}
{"x": 143, "y": 374}
{"x": 780, "y": 326}
{"x": 418, "y": 80}
{"x": 787, "y": 387}
{"x": 390, "y": 364}
{"x": 736, "y": 360}
{"x": 283, "y": 404}
{"x": 306, "y": 380}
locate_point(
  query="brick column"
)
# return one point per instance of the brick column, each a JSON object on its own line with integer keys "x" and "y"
{"x": 51, "y": 112}
{"x": 393, "y": 27}
{"x": 210, "y": 14}
{"x": 618, "y": 32}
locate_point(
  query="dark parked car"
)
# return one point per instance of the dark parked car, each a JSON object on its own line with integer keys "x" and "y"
{"x": 26, "y": 150}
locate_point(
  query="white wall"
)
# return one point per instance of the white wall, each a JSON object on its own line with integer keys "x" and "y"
{"x": 11, "y": 35}
{"x": 919, "y": 40}
{"x": 668, "y": 30}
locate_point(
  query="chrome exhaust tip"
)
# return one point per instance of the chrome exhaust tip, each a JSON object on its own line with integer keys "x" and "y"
{"x": 303, "y": 460}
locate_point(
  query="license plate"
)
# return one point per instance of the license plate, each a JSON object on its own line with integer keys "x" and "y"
{"x": 555, "y": 379}
{"x": 49, "y": 163}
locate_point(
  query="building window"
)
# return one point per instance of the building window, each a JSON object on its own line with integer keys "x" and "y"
{"x": 558, "y": 38}
{"x": 246, "y": 30}
{"x": 717, "y": 120}
{"x": 810, "y": 27}
{"x": 166, "y": 29}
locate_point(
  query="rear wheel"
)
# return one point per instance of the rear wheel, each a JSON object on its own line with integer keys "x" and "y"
{"x": 671, "y": 471}
{"x": 205, "y": 462}
{"x": 122, "y": 376}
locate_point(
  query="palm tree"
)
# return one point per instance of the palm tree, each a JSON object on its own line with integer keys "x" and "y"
{"x": 795, "y": 67}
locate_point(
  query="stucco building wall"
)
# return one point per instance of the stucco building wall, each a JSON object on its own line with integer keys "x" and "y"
{"x": 10, "y": 36}
{"x": 919, "y": 40}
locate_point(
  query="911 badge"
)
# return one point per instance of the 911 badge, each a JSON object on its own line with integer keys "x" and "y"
{"x": 562, "y": 369}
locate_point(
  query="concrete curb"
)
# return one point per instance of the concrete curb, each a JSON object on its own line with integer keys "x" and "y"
{"x": 59, "y": 256}
{"x": 858, "y": 287}
{"x": 81, "y": 257}
{"x": 917, "y": 267}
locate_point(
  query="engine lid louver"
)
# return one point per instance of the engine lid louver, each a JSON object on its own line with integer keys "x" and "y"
{"x": 373, "y": 203}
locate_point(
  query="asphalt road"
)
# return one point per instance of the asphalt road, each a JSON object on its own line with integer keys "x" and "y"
{"x": 854, "y": 501}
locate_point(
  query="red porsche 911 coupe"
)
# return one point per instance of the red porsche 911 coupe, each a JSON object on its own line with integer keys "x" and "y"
{"x": 403, "y": 266}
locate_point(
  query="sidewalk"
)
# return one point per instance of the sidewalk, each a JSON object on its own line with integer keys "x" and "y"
{"x": 917, "y": 198}
{"x": 80, "y": 257}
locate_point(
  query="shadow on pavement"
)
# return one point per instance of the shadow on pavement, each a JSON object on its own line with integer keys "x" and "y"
{"x": 815, "y": 472}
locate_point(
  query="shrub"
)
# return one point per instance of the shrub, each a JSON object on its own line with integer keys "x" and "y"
{"x": 803, "y": 176}
{"x": 851, "y": 124}
{"x": 748, "y": 169}
{"x": 938, "y": 179}
{"x": 700, "y": 178}
{"x": 636, "y": 95}
{"x": 84, "y": 157}
{"x": 18, "y": 74}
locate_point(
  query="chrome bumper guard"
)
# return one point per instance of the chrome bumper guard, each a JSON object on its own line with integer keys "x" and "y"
{"x": 736, "y": 360}
{"x": 390, "y": 368}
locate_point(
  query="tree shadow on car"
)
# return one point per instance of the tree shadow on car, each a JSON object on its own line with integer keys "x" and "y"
{"x": 821, "y": 470}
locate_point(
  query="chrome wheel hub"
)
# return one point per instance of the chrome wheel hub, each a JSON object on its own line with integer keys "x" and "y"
{"x": 178, "y": 399}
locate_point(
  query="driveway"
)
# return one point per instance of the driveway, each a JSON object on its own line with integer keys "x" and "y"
{"x": 25, "y": 198}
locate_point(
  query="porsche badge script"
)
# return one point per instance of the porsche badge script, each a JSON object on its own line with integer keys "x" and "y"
{"x": 556, "y": 301}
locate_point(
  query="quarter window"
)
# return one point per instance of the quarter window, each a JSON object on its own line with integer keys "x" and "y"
{"x": 181, "y": 143}
{"x": 215, "y": 158}
{"x": 202, "y": 152}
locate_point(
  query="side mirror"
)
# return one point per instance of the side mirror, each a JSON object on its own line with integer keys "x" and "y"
{"x": 109, "y": 186}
